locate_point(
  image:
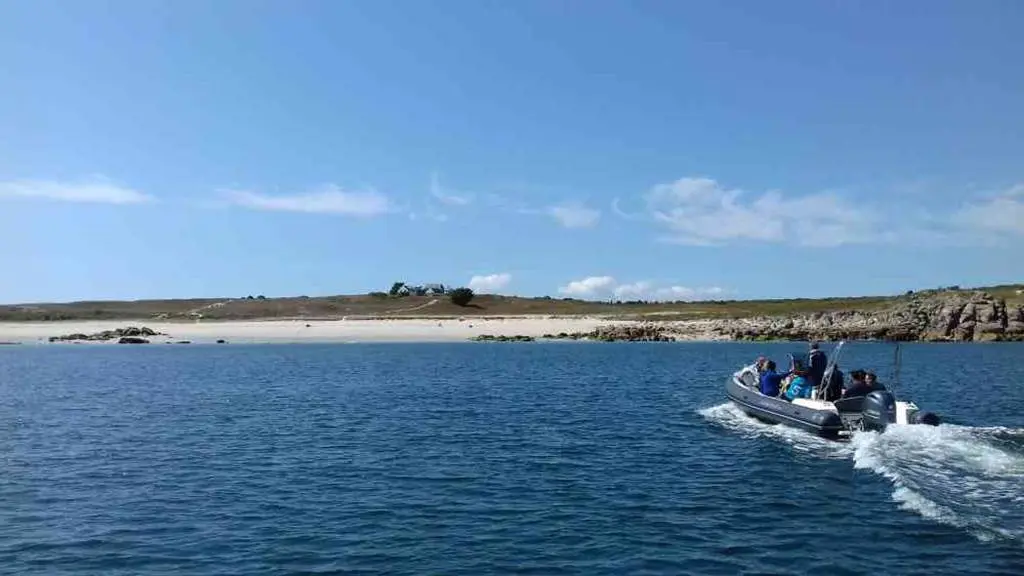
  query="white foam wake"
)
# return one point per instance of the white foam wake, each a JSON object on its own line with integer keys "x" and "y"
{"x": 972, "y": 478}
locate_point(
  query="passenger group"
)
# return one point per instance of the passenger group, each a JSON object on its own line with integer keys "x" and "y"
{"x": 800, "y": 381}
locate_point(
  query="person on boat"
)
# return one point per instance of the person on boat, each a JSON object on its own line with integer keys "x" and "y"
{"x": 771, "y": 381}
{"x": 799, "y": 385}
{"x": 858, "y": 385}
{"x": 871, "y": 380}
{"x": 818, "y": 362}
{"x": 856, "y": 377}
{"x": 755, "y": 369}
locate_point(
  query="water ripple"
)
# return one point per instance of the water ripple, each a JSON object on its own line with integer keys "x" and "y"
{"x": 462, "y": 459}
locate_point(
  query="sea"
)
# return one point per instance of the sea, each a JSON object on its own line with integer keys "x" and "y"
{"x": 494, "y": 458}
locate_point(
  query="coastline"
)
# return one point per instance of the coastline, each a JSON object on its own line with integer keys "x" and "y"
{"x": 313, "y": 331}
{"x": 952, "y": 317}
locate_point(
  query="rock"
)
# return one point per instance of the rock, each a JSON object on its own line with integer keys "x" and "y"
{"x": 1014, "y": 331}
{"x": 222, "y": 341}
{"x": 643, "y": 332}
{"x": 502, "y": 338}
{"x": 132, "y": 340}
{"x": 130, "y": 331}
{"x": 1017, "y": 315}
{"x": 936, "y": 317}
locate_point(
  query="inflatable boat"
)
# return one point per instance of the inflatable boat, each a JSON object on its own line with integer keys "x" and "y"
{"x": 837, "y": 419}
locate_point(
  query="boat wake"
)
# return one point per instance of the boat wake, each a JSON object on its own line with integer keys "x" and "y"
{"x": 971, "y": 478}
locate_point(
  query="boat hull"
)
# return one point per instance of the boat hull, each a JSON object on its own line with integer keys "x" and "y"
{"x": 780, "y": 411}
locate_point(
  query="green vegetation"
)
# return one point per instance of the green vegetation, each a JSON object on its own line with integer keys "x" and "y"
{"x": 379, "y": 304}
{"x": 461, "y": 296}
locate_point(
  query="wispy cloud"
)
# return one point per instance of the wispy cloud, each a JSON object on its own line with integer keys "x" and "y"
{"x": 574, "y": 215}
{"x": 328, "y": 199}
{"x": 999, "y": 214}
{"x": 700, "y": 211}
{"x": 446, "y": 196}
{"x": 490, "y": 283}
{"x": 429, "y": 214}
{"x": 99, "y": 191}
{"x": 607, "y": 287}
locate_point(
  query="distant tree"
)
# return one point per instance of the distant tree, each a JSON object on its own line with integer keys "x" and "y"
{"x": 261, "y": 297}
{"x": 461, "y": 296}
{"x": 418, "y": 290}
{"x": 396, "y": 288}
{"x": 249, "y": 297}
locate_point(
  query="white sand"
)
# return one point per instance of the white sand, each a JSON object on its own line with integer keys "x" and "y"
{"x": 348, "y": 330}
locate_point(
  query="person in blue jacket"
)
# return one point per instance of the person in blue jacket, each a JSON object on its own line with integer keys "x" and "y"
{"x": 771, "y": 381}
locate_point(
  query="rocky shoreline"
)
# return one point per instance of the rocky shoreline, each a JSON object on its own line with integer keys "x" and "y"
{"x": 954, "y": 316}
{"x": 945, "y": 317}
{"x": 129, "y": 335}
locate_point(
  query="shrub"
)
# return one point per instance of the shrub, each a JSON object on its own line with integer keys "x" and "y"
{"x": 461, "y": 296}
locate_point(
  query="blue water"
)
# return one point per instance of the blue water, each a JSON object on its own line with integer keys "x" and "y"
{"x": 492, "y": 459}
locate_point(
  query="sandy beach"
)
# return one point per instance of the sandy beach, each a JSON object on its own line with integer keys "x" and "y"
{"x": 346, "y": 330}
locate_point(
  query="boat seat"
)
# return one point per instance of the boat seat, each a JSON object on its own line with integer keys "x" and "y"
{"x": 815, "y": 404}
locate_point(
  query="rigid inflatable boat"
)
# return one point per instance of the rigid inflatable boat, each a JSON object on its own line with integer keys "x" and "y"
{"x": 836, "y": 420}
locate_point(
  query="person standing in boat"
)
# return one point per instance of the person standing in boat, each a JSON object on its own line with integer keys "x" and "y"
{"x": 818, "y": 362}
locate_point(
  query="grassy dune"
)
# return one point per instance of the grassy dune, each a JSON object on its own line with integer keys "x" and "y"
{"x": 377, "y": 306}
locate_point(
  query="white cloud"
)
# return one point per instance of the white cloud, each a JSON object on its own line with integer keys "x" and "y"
{"x": 999, "y": 214}
{"x": 645, "y": 290}
{"x": 589, "y": 286}
{"x": 606, "y": 286}
{"x": 447, "y": 196}
{"x": 329, "y": 199}
{"x": 574, "y": 215}
{"x": 700, "y": 211}
{"x": 97, "y": 192}
{"x": 490, "y": 283}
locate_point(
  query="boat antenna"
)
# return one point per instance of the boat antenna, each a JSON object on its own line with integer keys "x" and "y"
{"x": 897, "y": 359}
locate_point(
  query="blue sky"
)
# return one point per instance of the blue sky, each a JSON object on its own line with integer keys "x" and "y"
{"x": 649, "y": 149}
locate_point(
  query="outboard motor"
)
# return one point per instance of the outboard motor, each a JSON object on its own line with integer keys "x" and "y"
{"x": 878, "y": 410}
